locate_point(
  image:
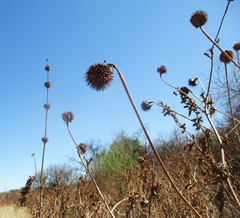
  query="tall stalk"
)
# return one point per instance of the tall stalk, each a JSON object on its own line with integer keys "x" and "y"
{"x": 45, "y": 139}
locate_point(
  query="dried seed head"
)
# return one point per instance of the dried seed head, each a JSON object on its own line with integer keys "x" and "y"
{"x": 140, "y": 160}
{"x": 47, "y": 106}
{"x": 162, "y": 70}
{"x": 192, "y": 82}
{"x": 47, "y": 68}
{"x": 198, "y": 18}
{"x": 83, "y": 147}
{"x": 185, "y": 90}
{"x": 68, "y": 116}
{"x": 45, "y": 139}
{"x": 146, "y": 105}
{"x": 236, "y": 46}
{"x": 99, "y": 77}
{"x": 224, "y": 58}
{"x": 47, "y": 84}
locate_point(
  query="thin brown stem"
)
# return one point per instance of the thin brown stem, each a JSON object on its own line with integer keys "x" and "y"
{"x": 150, "y": 141}
{"x": 204, "y": 32}
{"x": 88, "y": 170}
{"x": 229, "y": 101}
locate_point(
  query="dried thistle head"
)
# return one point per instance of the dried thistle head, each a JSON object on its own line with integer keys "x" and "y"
{"x": 162, "y": 70}
{"x": 68, "y": 116}
{"x": 198, "y": 18}
{"x": 223, "y": 58}
{"x": 192, "y": 82}
{"x": 47, "y": 106}
{"x": 83, "y": 147}
{"x": 47, "y": 84}
{"x": 184, "y": 90}
{"x": 236, "y": 46}
{"x": 47, "y": 68}
{"x": 99, "y": 76}
{"x": 146, "y": 105}
{"x": 45, "y": 139}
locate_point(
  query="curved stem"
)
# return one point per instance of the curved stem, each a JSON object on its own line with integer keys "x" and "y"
{"x": 183, "y": 92}
{"x": 178, "y": 114}
{"x": 150, "y": 141}
{"x": 204, "y": 32}
{"x": 229, "y": 100}
{"x": 87, "y": 168}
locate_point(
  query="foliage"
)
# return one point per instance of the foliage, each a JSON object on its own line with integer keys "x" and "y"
{"x": 66, "y": 174}
{"x": 111, "y": 163}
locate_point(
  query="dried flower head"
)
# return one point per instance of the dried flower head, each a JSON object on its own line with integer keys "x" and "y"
{"x": 192, "y": 82}
{"x": 184, "y": 90}
{"x": 162, "y": 70}
{"x": 47, "y": 84}
{"x": 224, "y": 58}
{"x": 47, "y": 68}
{"x": 146, "y": 105}
{"x": 99, "y": 76}
{"x": 236, "y": 46}
{"x": 140, "y": 160}
{"x": 45, "y": 139}
{"x": 47, "y": 106}
{"x": 198, "y": 18}
{"x": 68, "y": 116}
{"x": 83, "y": 147}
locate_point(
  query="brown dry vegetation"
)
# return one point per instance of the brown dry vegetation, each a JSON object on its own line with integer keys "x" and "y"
{"x": 144, "y": 192}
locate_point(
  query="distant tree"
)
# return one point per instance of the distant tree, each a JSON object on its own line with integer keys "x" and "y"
{"x": 121, "y": 154}
{"x": 67, "y": 175}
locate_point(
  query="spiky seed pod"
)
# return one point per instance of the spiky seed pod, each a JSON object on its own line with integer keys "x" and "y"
{"x": 236, "y": 46}
{"x": 185, "y": 90}
{"x": 192, "y": 82}
{"x": 68, "y": 116}
{"x": 140, "y": 160}
{"x": 45, "y": 139}
{"x": 99, "y": 77}
{"x": 47, "y": 84}
{"x": 83, "y": 147}
{"x": 146, "y": 105}
{"x": 162, "y": 70}
{"x": 47, "y": 68}
{"x": 47, "y": 106}
{"x": 223, "y": 58}
{"x": 198, "y": 17}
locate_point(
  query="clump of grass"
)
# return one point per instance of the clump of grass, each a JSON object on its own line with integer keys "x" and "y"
{"x": 11, "y": 211}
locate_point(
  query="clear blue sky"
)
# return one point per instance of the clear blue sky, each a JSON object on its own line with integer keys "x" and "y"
{"x": 137, "y": 36}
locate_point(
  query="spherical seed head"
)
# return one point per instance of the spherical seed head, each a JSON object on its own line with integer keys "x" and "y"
{"x": 146, "y": 106}
{"x": 83, "y": 147}
{"x": 162, "y": 70}
{"x": 184, "y": 89}
{"x": 47, "y": 84}
{"x": 198, "y": 17}
{"x": 47, "y": 68}
{"x": 236, "y": 46}
{"x": 47, "y": 106}
{"x": 99, "y": 77}
{"x": 45, "y": 139}
{"x": 224, "y": 58}
{"x": 68, "y": 116}
{"x": 192, "y": 82}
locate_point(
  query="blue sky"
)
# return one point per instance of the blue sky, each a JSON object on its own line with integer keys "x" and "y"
{"x": 137, "y": 36}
